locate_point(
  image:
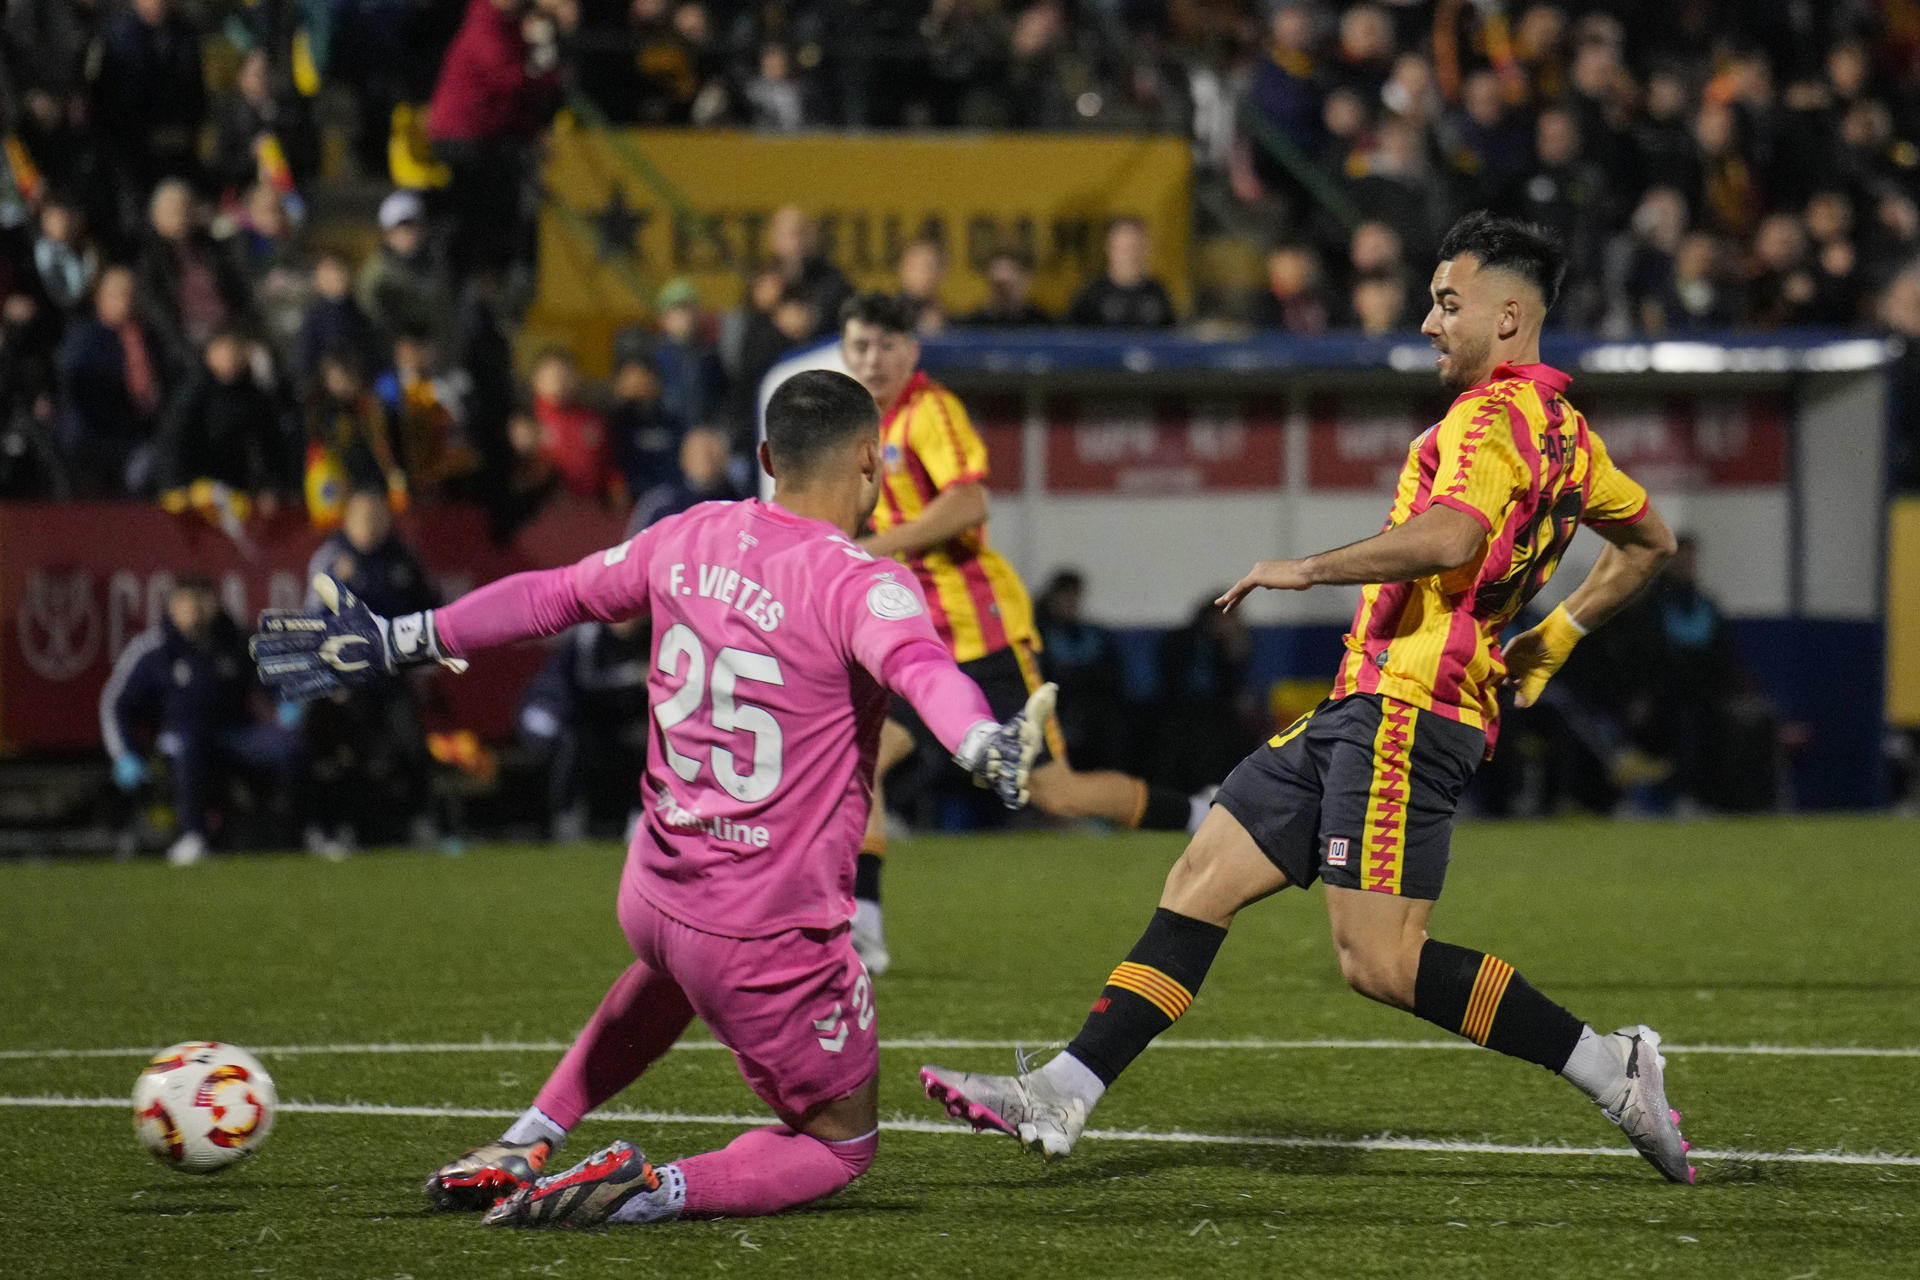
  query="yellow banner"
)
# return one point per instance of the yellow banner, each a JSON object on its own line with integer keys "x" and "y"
{"x": 609, "y": 236}
{"x": 1903, "y": 613}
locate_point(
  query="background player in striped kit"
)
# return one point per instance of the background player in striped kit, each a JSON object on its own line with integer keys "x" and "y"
{"x": 932, "y": 517}
{"x": 1361, "y": 791}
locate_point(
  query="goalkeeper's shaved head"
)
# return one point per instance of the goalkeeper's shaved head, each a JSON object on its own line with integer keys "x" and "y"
{"x": 815, "y": 415}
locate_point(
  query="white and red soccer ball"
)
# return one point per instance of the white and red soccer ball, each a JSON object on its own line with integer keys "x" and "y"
{"x": 202, "y": 1105}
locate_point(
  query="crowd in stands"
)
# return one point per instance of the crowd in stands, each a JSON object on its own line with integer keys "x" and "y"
{"x": 181, "y": 322}
{"x": 169, "y": 314}
{"x": 1709, "y": 165}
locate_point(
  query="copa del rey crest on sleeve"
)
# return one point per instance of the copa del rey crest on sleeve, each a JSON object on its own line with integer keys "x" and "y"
{"x": 767, "y": 631}
{"x": 891, "y": 601}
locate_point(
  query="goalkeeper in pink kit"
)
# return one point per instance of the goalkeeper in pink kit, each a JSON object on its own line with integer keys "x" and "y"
{"x": 777, "y": 642}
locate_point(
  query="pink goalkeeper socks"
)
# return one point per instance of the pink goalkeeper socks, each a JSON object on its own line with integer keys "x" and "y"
{"x": 639, "y": 1018}
{"x": 766, "y": 1170}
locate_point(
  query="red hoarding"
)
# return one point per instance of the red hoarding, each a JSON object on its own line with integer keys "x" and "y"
{"x": 77, "y": 581}
{"x": 1359, "y": 442}
{"x": 1168, "y": 445}
{"x": 1666, "y": 442}
{"x": 1001, "y": 422}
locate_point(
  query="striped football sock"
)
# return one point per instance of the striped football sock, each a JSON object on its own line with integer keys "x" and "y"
{"x": 1479, "y": 996}
{"x": 1147, "y": 993}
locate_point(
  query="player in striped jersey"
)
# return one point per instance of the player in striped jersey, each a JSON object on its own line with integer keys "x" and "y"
{"x": 932, "y": 517}
{"x": 1361, "y": 791}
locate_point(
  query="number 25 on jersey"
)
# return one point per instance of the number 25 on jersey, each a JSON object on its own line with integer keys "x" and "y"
{"x": 727, "y": 714}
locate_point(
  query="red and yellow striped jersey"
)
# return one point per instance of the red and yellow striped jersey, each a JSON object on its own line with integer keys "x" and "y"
{"x": 1516, "y": 456}
{"x": 978, "y": 602}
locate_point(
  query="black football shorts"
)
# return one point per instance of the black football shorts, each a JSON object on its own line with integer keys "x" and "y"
{"x": 1359, "y": 792}
{"x": 1007, "y": 677}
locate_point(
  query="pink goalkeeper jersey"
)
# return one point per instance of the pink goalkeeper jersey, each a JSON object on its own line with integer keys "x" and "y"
{"x": 772, "y": 635}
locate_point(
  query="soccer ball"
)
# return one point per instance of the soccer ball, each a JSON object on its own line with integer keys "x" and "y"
{"x": 202, "y": 1105}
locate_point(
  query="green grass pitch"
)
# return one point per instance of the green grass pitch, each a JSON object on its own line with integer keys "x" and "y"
{"x": 1786, "y": 933}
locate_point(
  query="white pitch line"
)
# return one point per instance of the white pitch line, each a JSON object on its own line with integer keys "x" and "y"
{"x": 938, "y": 1042}
{"x": 1385, "y": 1142}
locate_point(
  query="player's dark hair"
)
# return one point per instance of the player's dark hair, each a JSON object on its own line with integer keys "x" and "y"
{"x": 813, "y": 414}
{"x": 1527, "y": 249}
{"x": 882, "y": 310}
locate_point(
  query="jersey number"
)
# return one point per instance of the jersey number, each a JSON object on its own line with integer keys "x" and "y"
{"x": 730, "y": 666}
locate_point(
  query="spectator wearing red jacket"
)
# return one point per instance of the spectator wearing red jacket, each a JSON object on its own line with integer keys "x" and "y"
{"x": 574, "y": 435}
{"x": 498, "y": 86}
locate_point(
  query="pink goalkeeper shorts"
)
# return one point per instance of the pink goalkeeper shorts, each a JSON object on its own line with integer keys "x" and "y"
{"x": 796, "y": 1008}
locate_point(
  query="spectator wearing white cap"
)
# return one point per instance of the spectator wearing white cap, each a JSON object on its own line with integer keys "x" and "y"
{"x": 401, "y": 288}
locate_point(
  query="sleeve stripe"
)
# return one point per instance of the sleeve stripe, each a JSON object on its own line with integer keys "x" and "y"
{"x": 1638, "y": 514}
{"x": 1461, "y": 504}
{"x": 137, "y": 648}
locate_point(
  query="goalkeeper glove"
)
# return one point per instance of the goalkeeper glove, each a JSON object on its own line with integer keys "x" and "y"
{"x": 1000, "y": 756}
{"x": 1534, "y": 655}
{"x": 307, "y": 653}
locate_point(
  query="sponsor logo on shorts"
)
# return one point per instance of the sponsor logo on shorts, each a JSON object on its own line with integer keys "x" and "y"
{"x": 836, "y": 1028}
{"x": 1337, "y": 851}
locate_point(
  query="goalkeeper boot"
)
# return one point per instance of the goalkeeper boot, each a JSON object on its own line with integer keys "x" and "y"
{"x": 1044, "y": 1121}
{"x": 485, "y": 1174}
{"x": 1640, "y": 1108}
{"x": 590, "y": 1193}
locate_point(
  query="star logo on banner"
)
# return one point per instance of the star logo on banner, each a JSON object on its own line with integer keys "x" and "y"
{"x": 618, "y": 226}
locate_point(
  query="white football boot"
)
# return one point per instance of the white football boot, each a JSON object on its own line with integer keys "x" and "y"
{"x": 1642, "y": 1111}
{"x": 1044, "y": 1121}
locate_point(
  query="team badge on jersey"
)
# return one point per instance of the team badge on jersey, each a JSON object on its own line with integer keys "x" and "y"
{"x": 891, "y": 600}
